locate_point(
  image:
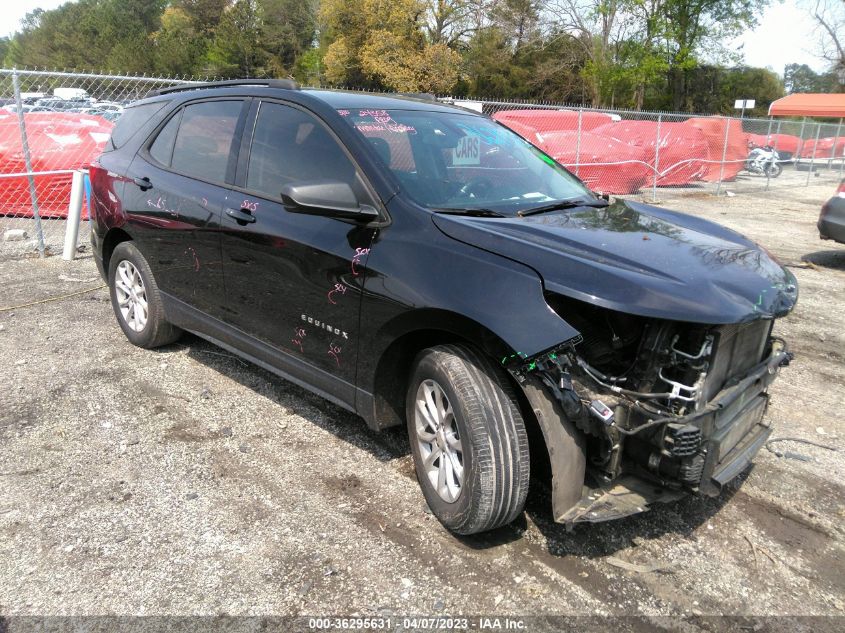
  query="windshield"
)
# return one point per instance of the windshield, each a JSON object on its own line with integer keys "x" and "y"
{"x": 447, "y": 160}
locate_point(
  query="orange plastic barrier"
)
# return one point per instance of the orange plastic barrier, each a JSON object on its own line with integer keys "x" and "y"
{"x": 57, "y": 141}
{"x": 682, "y": 148}
{"x": 713, "y": 129}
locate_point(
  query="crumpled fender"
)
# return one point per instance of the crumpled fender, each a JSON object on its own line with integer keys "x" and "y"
{"x": 565, "y": 443}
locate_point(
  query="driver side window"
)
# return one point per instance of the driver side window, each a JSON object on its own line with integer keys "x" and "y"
{"x": 290, "y": 146}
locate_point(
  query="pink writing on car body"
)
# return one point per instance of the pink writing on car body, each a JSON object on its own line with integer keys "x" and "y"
{"x": 337, "y": 288}
{"x": 299, "y": 334}
{"x": 356, "y": 259}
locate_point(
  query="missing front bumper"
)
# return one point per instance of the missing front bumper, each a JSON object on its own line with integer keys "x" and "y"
{"x": 735, "y": 431}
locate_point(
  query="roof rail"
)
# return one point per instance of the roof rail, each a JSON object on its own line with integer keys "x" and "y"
{"x": 423, "y": 96}
{"x": 287, "y": 84}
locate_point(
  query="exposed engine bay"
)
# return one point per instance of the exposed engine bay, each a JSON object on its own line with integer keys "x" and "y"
{"x": 667, "y": 404}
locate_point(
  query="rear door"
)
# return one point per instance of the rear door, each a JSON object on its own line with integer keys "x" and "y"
{"x": 179, "y": 192}
{"x": 293, "y": 280}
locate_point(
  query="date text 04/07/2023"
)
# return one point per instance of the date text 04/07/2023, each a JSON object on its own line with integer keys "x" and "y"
{"x": 419, "y": 623}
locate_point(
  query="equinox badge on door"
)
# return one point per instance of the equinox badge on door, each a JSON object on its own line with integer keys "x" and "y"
{"x": 324, "y": 326}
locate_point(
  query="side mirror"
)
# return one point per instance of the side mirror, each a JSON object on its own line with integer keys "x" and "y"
{"x": 328, "y": 198}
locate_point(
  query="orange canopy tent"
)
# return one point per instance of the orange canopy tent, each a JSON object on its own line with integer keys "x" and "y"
{"x": 807, "y": 104}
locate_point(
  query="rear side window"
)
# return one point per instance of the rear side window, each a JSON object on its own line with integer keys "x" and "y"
{"x": 204, "y": 139}
{"x": 291, "y": 146}
{"x": 132, "y": 119}
{"x": 162, "y": 147}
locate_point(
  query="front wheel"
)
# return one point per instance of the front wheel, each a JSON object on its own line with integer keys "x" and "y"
{"x": 468, "y": 439}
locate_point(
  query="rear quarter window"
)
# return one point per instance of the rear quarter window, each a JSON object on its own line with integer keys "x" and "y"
{"x": 132, "y": 120}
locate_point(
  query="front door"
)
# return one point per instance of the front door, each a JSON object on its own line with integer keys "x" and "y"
{"x": 293, "y": 280}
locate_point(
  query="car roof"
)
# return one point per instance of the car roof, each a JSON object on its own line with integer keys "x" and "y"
{"x": 379, "y": 101}
{"x": 336, "y": 99}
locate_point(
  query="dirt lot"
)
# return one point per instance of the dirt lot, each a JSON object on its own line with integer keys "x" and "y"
{"x": 185, "y": 481}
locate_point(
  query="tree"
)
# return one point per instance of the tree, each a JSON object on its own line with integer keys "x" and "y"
{"x": 610, "y": 53}
{"x": 695, "y": 26}
{"x": 288, "y": 30}
{"x": 5, "y": 43}
{"x": 90, "y": 34}
{"x": 236, "y": 51}
{"x": 449, "y": 22}
{"x": 715, "y": 89}
{"x": 830, "y": 17}
{"x": 205, "y": 15}
{"x": 382, "y": 43}
{"x": 344, "y": 27}
{"x": 179, "y": 49}
{"x": 598, "y": 26}
{"x": 802, "y": 78}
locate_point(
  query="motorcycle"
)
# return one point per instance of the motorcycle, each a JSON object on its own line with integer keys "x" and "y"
{"x": 764, "y": 161}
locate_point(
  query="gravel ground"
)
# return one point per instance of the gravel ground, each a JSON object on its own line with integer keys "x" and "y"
{"x": 186, "y": 481}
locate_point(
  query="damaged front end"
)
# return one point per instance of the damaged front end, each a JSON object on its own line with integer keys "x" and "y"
{"x": 663, "y": 408}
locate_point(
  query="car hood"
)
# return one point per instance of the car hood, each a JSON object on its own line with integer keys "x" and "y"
{"x": 639, "y": 259}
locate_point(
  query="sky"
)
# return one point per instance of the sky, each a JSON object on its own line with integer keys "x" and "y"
{"x": 784, "y": 35}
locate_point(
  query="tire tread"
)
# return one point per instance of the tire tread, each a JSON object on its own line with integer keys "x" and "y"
{"x": 500, "y": 457}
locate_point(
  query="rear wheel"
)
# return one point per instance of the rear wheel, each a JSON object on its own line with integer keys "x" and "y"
{"x": 136, "y": 299}
{"x": 468, "y": 439}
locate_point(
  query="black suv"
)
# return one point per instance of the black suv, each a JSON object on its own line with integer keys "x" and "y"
{"x": 420, "y": 264}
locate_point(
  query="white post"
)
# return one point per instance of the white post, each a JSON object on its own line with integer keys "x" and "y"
{"x": 656, "y": 159}
{"x": 724, "y": 155}
{"x": 800, "y": 149}
{"x": 813, "y": 157}
{"x": 578, "y": 145}
{"x": 835, "y": 143}
{"x": 74, "y": 211}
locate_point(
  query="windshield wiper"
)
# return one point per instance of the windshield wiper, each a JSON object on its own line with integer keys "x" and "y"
{"x": 471, "y": 211}
{"x": 598, "y": 203}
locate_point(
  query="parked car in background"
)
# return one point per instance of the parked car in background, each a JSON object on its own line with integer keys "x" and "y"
{"x": 832, "y": 219}
{"x": 422, "y": 265}
{"x": 107, "y": 106}
{"x": 32, "y": 97}
{"x": 110, "y": 115}
{"x": 71, "y": 94}
{"x": 27, "y": 107}
{"x": 63, "y": 104}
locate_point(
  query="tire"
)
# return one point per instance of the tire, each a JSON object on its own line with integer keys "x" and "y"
{"x": 773, "y": 170}
{"x": 485, "y": 435}
{"x": 132, "y": 287}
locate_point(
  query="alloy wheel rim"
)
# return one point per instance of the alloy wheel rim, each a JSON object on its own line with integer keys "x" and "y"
{"x": 439, "y": 440}
{"x": 131, "y": 296}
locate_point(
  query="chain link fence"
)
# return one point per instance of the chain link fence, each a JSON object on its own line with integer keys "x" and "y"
{"x": 54, "y": 123}
{"x": 51, "y": 125}
{"x": 637, "y": 153}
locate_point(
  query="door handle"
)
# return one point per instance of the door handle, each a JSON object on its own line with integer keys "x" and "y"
{"x": 240, "y": 215}
{"x": 144, "y": 183}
